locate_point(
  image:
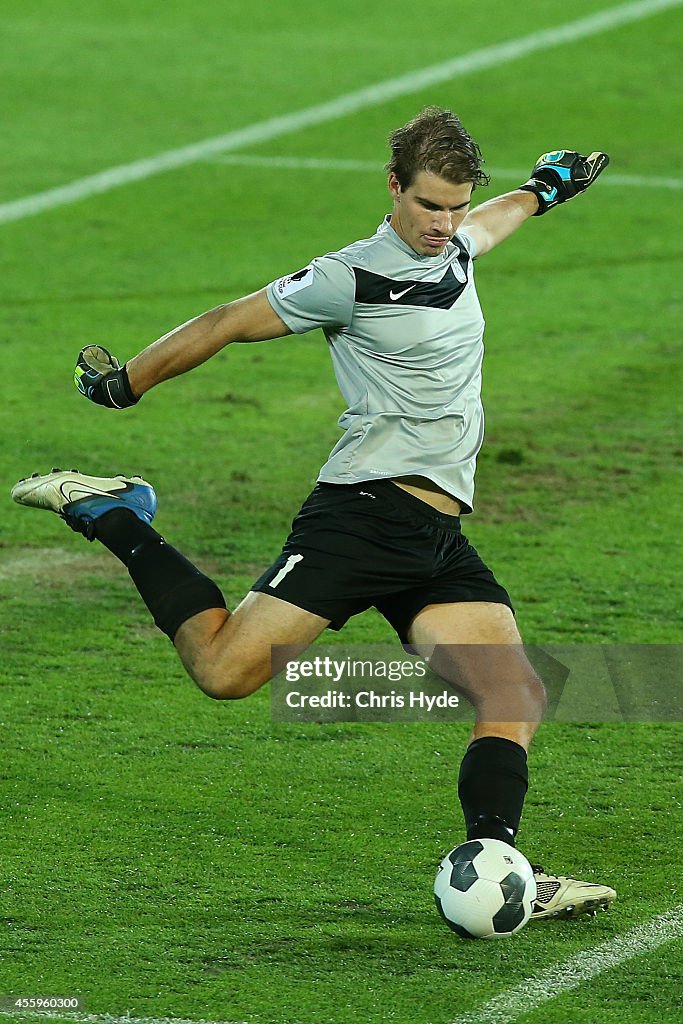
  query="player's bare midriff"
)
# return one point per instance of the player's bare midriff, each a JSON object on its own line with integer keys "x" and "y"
{"x": 429, "y": 492}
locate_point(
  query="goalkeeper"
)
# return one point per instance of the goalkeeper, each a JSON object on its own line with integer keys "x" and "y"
{"x": 382, "y": 527}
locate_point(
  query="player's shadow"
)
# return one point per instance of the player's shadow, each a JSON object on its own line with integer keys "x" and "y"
{"x": 345, "y": 934}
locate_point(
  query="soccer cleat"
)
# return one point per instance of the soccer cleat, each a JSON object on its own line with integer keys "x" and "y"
{"x": 562, "y": 897}
{"x": 80, "y": 499}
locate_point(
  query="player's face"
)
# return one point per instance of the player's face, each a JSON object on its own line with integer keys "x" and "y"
{"x": 428, "y": 212}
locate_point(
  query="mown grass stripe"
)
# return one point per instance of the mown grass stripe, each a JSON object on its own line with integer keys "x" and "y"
{"x": 102, "y": 1018}
{"x": 348, "y": 103}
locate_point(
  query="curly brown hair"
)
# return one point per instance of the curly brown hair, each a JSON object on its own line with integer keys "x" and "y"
{"x": 435, "y": 141}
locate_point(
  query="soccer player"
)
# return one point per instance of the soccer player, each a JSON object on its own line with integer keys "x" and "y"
{"x": 382, "y": 527}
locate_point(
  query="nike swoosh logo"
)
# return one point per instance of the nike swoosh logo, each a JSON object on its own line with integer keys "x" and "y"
{"x": 397, "y": 295}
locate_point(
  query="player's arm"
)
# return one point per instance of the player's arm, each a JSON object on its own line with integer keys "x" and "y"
{"x": 496, "y": 219}
{"x": 556, "y": 178}
{"x": 251, "y": 318}
{"x": 101, "y": 379}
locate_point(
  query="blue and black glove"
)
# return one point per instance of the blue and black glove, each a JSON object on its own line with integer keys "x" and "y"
{"x": 562, "y": 175}
{"x": 100, "y": 377}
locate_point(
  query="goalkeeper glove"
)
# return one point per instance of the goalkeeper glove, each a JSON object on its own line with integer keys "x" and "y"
{"x": 560, "y": 176}
{"x": 100, "y": 377}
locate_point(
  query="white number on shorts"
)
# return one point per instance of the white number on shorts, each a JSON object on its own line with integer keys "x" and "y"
{"x": 287, "y": 567}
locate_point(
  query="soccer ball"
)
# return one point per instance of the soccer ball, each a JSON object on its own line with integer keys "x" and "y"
{"x": 485, "y": 889}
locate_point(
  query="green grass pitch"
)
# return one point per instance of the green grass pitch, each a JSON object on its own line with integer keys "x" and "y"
{"x": 166, "y": 856}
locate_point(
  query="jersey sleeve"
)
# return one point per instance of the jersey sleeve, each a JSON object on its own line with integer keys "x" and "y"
{"x": 320, "y": 295}
{"x": 468, "y": 243}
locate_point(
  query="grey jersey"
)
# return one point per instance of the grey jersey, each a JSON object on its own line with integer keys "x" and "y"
{"x": 405, "y": 335}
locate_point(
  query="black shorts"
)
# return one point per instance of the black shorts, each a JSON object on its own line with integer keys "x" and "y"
{"x": 356, "y": 546}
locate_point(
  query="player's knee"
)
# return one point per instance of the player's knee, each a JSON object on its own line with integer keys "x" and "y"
{"x": 224, "y": 690}
{"x": 235, "y": 684}
{"x": 521, "y": 697}
{"x": 534, "y": 692}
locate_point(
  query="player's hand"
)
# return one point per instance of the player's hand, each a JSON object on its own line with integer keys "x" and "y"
{"x": 100, "y": 377}
{"x": 562, "y": 175}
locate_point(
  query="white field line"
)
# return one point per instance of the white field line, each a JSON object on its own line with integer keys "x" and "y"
{"x": 506, "y": 1008}
{"x": 512, "y": 1004}
{"x": 349, "y": 103}
{"x": 296, "y": 163}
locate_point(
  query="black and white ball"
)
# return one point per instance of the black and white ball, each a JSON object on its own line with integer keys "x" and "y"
{"x": 485, "y": 889}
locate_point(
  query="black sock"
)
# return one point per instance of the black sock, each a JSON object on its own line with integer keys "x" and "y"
{"x": 492, "y": 786}
{"x": 122, "y": 532}
{"x": 171, "y": 586}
